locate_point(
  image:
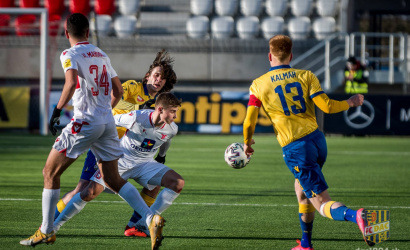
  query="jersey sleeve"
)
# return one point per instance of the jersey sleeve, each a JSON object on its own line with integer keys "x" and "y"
{"x": 330, "y": 106}
{"x": 68, "y": 61}
{"x": 125, "y": 120}
{"x": 111, "y": 70}
{"x": 314, "y": 88}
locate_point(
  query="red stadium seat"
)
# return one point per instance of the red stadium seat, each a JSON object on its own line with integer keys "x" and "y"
{"x": 26, "y": 25}
{"x": 4, "y": 24}
{"x": 29, "y": 3}
{"x": 55, "y": 7}
{"x": 104, "y": 7}
{"x": 80, "y": 6}
{"x": 6, "y": 3}
{"x": 54, "y": 24}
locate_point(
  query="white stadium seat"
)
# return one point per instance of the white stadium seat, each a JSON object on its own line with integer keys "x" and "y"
{"x": 324, "y": 27}
{"x": 301, "y": 7}
{"x": 299, "y": 27}
{"x": 247, "y": 27}
{"x": 326, "y": 7}
{"x": 103, "y": 24}
{"x": 202, "y": 7}
{"x": 222, "y": 27}
{"x": 276, "y": 7}
{"x": 129, "y": 7}
{"x": 251, "y": 7}
{"x": 272, "y": 26}
{"x": 197, "y": 26}
{"x": 125, "y": 26}
{"x": 226, "y": 7}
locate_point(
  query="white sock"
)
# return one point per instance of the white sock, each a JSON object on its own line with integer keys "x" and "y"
{"x": 130, "y": 194}
{"x": 49, "y": 203}
{"x": 73, "y": 207}
{"x": 164, "y": 200}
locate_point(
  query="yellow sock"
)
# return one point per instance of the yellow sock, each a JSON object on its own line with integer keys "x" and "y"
{"x": 60, "y": 205}
{"x": 148, "y": 199}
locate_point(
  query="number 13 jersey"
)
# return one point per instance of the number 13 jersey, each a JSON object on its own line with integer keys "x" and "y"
{"x": 92, "y": 96}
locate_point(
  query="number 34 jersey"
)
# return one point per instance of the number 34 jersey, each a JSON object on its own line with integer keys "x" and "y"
{"x": 92, "y": 96}
{"x": 286, "y": 94}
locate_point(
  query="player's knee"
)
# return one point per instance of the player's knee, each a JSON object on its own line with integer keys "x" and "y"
{"x": 177, "y": 185}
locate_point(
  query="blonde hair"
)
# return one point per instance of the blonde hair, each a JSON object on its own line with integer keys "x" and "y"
{"x": 280, "y": 46}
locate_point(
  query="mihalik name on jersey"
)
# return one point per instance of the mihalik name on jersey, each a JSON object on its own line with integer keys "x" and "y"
{"x": 143, "y": 139}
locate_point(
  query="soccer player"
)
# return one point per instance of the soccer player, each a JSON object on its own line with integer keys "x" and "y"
{"x": 95, "y": 88}
{"x": 288, "y": 96}
{"x": 159, "y": 78}
{"x": 147, "y": 131}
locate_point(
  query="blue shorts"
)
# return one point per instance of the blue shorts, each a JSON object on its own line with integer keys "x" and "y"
{"x": 305, "y": 158}
{"x": 89, "y": 166}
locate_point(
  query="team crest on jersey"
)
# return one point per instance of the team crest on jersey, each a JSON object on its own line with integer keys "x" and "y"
{"x": 67, "y": 63}
{"x": 140, "y": 99}
{"x": 147, "y": 143}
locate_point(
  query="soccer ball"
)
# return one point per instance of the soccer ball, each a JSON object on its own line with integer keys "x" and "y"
{"x": 235, "y": 156}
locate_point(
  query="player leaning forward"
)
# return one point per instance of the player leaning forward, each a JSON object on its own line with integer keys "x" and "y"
{"x": 147, "y": 130}
{"x": 95, "y": 88}
{"x": 288, "y": 97}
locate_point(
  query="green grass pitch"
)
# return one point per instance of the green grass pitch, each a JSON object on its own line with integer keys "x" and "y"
{"x": 220, "y": 207}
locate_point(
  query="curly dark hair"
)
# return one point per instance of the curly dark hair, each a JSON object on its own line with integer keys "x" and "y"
{"x": 165, "y": 61}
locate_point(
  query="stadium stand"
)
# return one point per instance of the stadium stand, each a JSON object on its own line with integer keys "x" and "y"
{"x": 327, "y": 7}
{"x": 301, "y": 7}
{"x": 80, "y": 6}
{"x": 125, "y": 26}
{"x": 198, "y": 27}
{"x": 222, "y": 27}
{"x": 272, "y": 26}
{"x": 247, "y": 27}
{"x": 251, "y": 7}
{"x": 276, "y": 7}
{"x": 324, "y": 27}
{"x": 26, "y": 25}
{"x": 55, "y": 7}
{"x": 129, "y": 7}
{"x": 201, "y": 7}
{"x": 226, "y": 7}
{"x": 299, "y": 27}
{"x": 4, "y": 25}
{"x": 104, "y": 7}
{"x": 29, "y": 3}
{"x": 103, "y": 26}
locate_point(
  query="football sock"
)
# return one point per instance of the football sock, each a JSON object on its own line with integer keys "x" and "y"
{"x": 339, "y": 213}
{"x": 59, "y": 208}
{"x": 164, "y": 200}
{"x": 350, "y": 215}
{"x": 306, "y": 240}
{"x": 136, "y": 216}
{"x": 49, "y": 201}
{"x": 74, "y": 206}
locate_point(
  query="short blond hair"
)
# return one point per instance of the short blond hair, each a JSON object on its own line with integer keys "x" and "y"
{"x": 280, "y": 46}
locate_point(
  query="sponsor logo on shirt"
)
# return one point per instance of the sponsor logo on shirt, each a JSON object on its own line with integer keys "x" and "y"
{"x": 146, "y": 145}
{"x": 67, "y": 63}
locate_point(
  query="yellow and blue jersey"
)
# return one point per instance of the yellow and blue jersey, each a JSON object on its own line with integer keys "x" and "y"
{"x": 288, "y": 97}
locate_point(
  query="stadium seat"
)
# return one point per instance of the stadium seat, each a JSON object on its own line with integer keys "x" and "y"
{"x": 103, "y": 24}
{"x": 222, "y": 27}
{"x": 299, "y": 27}
{"x": 125, "y": 26}
{"x": 301, "y": 7}
{"x": 251, "y": 7}
{"x": 4, "y": 25}
{"x": 247, "y": 27}
{"x": 276, "y": 7}
{"x": 54, "y": 24}
{"x": 272, "y": 26}
{"x": 202, "y": 7}
{"x": 104, "y": 7}
{"x": 324, "y": 27}
{"x": 197, "y": 27}
{"x": 55, "y": 7}
{"x": 226, "y": 7}
{"x": 80, "y": 6}
{"x": 326, "y": 7}
{"x": 29, "y": 3}
{"x": 129, "y": 7}
{"x": 26, "y": 25}
{"x": 6, "y": 3}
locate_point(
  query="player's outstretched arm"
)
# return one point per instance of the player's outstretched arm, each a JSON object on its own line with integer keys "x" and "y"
{"x": 355, "y": 101}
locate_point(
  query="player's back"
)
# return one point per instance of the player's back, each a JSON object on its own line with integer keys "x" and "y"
{"x": 286, "y": 95}
{"x": 92, "y": 97}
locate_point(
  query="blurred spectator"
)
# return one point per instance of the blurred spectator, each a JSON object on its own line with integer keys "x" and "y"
{"x": 356, "y": 77}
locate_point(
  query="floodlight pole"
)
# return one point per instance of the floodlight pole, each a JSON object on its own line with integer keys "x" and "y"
{"x": 44, "y": 97}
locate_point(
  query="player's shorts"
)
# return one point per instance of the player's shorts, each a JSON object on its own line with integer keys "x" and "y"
{"x": 78, "y": 136}
{"x": 147, "y": 174}
{"x": 90, "y": 166}
{"x": 305, "y": 158}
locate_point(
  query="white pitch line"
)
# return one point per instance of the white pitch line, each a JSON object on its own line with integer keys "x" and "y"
{"x": 219, "y": 204}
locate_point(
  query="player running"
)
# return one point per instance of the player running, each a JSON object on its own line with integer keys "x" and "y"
{"x": 95, "y": 88}
{"x": 288, "y": 97}
{"x": 159, "y": 78}
{"x": 147, "y": 130}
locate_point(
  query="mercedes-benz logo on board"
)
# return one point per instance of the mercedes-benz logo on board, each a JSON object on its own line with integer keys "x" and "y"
{"x": 359, "y": 117}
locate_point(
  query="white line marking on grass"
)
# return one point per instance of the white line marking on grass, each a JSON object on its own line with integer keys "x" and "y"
{"x": 220, "y": 204}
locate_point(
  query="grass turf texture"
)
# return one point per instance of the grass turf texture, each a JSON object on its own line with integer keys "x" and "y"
{"x": 220, "y": 207}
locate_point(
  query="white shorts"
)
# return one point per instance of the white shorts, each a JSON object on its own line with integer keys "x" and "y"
{"x": 147, "y": 174}
{"x": 78, "y": 136}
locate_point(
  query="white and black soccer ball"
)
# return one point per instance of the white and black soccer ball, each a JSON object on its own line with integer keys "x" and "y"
{"x": 235, "y": 156}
